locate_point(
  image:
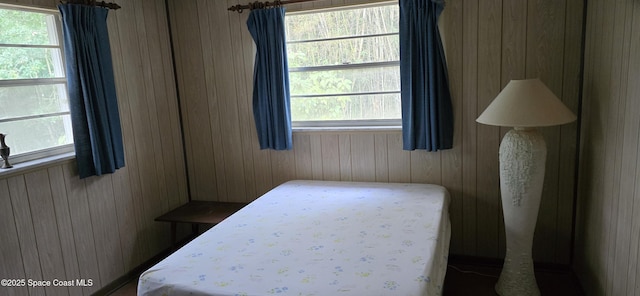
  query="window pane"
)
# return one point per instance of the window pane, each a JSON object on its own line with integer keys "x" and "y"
{"x": 22, "y": 27}
{"x": 331, "y": 24}
{"x": 29, "y": 63}
{"x": 345, "y": 51}
{"x": 36, "y": 134}
{"x": 386, "y": 106}
{"x": 21, "y": 101}
{"x": 345, "y": 81}
{"x": 338, "y": 79}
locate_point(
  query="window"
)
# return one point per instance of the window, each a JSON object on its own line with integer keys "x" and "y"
{"x": 344, "y": 66}
{"x": 34, "y": 107}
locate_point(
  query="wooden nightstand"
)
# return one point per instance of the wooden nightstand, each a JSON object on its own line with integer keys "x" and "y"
{"x": 199, "y": 212}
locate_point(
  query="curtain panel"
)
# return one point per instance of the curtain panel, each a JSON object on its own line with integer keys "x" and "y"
{"x": 92, "y": 94}
{"x": 427, "y": 115}
{"x": 271, "y": 97}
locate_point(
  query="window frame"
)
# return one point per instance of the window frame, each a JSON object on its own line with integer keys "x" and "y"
{"x": 60, "y": 63}
{"x": 357, "y": 124}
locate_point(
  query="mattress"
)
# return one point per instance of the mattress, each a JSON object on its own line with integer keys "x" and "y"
{"x": 317, "y": 238}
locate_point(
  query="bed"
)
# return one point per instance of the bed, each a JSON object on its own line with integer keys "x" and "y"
{"x": 317, "y": 238}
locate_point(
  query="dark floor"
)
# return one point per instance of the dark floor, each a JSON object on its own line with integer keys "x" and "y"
{"x": 479, "y": 280}
{"x": 473, "y": 279}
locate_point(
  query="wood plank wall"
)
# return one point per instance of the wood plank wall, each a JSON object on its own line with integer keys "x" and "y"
{"x": 608, "y": 225}
{"x": 487, "y": 43}
{"x": 54, "y": 225}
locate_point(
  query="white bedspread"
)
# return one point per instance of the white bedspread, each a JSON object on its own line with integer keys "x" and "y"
{"x": 318, "y": 238}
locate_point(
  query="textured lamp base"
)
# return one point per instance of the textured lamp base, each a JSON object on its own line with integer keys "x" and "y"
{"x": 517, "y": 277}
{"x": 522, "y": 163}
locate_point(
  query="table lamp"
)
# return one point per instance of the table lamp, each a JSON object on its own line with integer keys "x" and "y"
{"x": 523, "y": 105}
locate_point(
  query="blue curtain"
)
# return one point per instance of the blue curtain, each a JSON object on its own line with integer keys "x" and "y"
{"x": 271, "y": 98}
{"x": 427, "y": 115}
{"x": 92, "y": 95}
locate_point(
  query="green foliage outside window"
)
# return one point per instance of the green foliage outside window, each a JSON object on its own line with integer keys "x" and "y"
{"x": 28, "y": 44}
{"x": 318, "y": 39}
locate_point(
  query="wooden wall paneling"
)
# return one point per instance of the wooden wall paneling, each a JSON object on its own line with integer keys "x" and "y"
{"x": 434, "y": 163}
{"x": 599, "y": 115}
{"x": 569, "y": 133}
{"x": 130, "y": 170}
{"x": 607, "y": 234}
{"x": 470, "y": 111}
{"x": 26, "y": 232}
{"x": 20, "y": 2}
{"x": 514, "y": 41}
{"x": 451, "y": 31}
{"x": 319, "y": 4}
{"x": 399, "y": 159}
{"x": 237, "y": 24}
{"x": 157, "y": 103}
{"x": 633, "y": 283}
{"x": 544, "y": 60}
{"x": 344, "y": 144}
{"x": 628, "y": 153}
{"x": 419, "y": 167}
{"x": 152, "y": 163}
{"x": 302, "y": 151}
{"x": 337, "y": 2}
{"x": 611, "y": 135}
{"x": 617, "y": 120}
{"x": 44, "y": 3}
{"x": 363, "y": 157}
{"x": 48, "y": 4}
{"x": 294, "y": 7}
{"x": 629, "y": 123}
{"x": 167, "y": 104}
{"x": 489, "y": 85}
{"x": 11, "y": 266}
{"x": 381, "y": 157}
{"x": 194, "y": 90}
{"x": 282, "y": 166}
{"x": 211, "y": 102}
{"x": 227, "y": 99}
{"x": 131, "y": 36}
{"x": 105, "y": 228}
{"x": 330, "y": 157}
{"x": 146, "y": 123}
{"x": 425, "y": 167}
{"x": 633, "y": 91}
{"x": 176, "y": 50}
{"x": 65, "y": 227}
{"x": 83, "y": 233}
{"x": 128, "y": 227}
{"x": 46, "y": 229}
{"x": 263, "y": 171}
{"x": 316, "y": 156}
{"x": 591, "y": 183}
{"x": 173, "y": 116}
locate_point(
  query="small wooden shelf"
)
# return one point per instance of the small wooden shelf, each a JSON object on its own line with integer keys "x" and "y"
{"x": 199, "y": 212}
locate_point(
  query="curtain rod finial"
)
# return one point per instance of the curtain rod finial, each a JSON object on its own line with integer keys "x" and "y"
{"x": 237, "y": 8}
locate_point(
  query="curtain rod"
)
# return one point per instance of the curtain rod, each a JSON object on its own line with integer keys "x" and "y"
{"x": 93, "y": 3}
{"x": 259, "y": 5}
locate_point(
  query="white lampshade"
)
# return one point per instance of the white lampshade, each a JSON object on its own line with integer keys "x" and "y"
{"x": 526, "y": 103}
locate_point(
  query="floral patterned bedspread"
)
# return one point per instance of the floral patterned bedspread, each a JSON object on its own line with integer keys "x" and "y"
{"x": 318, "y": 238}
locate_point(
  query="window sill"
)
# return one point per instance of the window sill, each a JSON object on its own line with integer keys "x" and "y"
{"x": 346, "y": 129}
{"x": 36, "y": 164}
